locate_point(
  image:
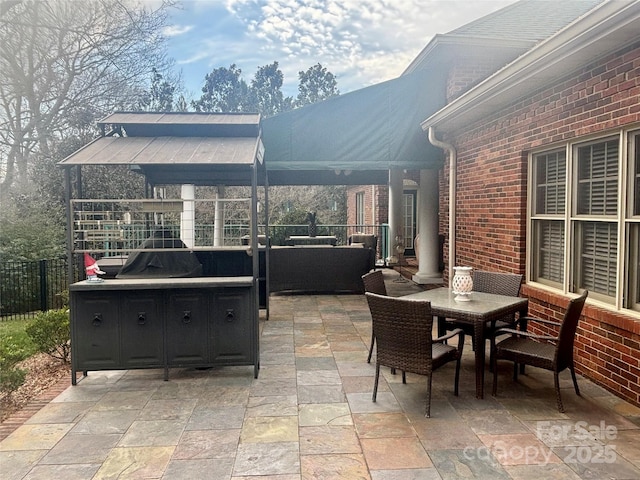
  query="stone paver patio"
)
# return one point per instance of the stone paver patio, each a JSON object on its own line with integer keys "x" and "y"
{"x": 309, "y": 415}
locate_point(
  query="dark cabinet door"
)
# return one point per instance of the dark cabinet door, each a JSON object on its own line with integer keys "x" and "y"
{"x": 186, "y": 323}
{"x": 95, "y": 344}
{"x": 142, "y": 328}
{"x": 232, "y": 329}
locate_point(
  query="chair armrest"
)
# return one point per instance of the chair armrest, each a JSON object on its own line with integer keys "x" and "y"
{"x": 458, "y": 332}
{"x": 449, "y": 335}
{"x": 520, "y": 333}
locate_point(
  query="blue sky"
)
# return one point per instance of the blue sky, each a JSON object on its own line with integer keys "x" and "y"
{"x": 362, "y": 42}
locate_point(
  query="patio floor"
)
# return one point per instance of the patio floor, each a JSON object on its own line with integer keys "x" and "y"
{"x": 309, "y": 415}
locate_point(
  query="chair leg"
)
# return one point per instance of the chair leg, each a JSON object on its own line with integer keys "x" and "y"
{"x": 491, "y": 361}
{"x": 404, "y": 377}
{"x": 428, "y": 413}
{"x": 575, "y": 381}
{"x": 515, "y": 372}
{"x": 375, "y": 383}
{"x": 556, "y": 382}
{"x": 442, "y": 326}
{"x": 373, "y": 341}
{"x": 494, "y": 390}
{"x": 457, "y": 378}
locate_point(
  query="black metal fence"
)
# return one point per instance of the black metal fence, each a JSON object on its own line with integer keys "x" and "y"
{"x": 27, "y": 288}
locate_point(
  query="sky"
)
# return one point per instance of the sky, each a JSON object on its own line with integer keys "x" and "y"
{"x": 362, "y": 42}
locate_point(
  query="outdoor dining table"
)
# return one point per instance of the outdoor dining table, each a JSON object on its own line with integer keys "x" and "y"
{"x": 481, "y": 309}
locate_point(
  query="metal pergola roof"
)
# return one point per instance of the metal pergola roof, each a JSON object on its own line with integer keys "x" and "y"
{"x": 175, "y": 148}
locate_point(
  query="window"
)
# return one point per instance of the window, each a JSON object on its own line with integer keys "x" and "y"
{"x": 548, "y": 224}
{"x": 360, "y": 210}
{"x": 579, "y": 200}
{"x": 596, "y": 226}
{"x": 409, "y": 201}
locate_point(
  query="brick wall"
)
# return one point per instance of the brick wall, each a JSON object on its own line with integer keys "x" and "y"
{"x": 351, "y": 203}
{"x": 607, "y": 343}
{"x": 376, "y": 201}
{"x": 492, "y": 196}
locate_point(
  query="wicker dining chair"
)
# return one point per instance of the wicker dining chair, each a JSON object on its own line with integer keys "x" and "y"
{"x": 405, "y": 342}
{"x": 542, "y": 351}
{"x": 374, "y": 283}
{"x": 498, "y": 283}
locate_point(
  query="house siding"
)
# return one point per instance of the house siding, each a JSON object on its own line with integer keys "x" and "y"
{"x": 492, "y": 198}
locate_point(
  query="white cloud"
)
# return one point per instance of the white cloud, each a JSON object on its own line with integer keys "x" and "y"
{"x": 175, "y": 30}
{"x": 360, "y": 41}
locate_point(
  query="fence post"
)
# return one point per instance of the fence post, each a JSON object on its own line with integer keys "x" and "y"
{"x": 43, "y": 285}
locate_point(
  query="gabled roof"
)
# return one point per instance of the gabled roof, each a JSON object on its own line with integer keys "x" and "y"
{"x": 608, "y": 28}
{"x": 506, "y": 33}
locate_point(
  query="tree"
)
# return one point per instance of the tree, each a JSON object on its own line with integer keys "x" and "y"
{"x": 61, "y": 61}
{"x": 160, "y": 98}
{"x": 316, "y": 84}
{"x": 223, "y": 91}
{"x": 265, "y": 94}
{"x": 181, "y": 104}
{"x": 328, "y": 201}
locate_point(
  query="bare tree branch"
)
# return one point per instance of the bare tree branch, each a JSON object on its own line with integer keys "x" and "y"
{"x": 61, "y": 59}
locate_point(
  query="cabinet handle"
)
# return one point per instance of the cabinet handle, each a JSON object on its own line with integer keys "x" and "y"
{"x": 186, "y": 317}
{"x": 230, "y": 315}
{"x": 97, "y": 319}
{"x": 142, "y": 318}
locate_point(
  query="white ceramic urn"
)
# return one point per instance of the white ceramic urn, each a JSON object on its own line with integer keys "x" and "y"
{"x": 462, "y": 283}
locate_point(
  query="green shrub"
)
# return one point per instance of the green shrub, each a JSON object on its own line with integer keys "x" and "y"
{"x": 12, "y": 333}
{"x": 11, "y": 379}
{"x": 50, "y": 333}
{"x": 10, "y": 354}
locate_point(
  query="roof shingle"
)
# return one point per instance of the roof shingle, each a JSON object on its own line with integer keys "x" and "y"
{"x": 527, "y": 20}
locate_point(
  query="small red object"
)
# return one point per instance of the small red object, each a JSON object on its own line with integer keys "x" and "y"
{"x": 91, "y": 266}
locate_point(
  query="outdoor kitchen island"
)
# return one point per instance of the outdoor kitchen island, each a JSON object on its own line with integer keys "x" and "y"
{"x": 163, "y": 323}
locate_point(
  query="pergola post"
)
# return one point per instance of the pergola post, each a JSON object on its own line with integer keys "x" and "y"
{"x": 218, "y": 221}
{"x": 396, "y": 177}
{"x": 187, "y": 217}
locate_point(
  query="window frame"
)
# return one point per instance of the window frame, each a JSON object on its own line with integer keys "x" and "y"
{"x": 624, "y": 223}
{"x": 631, "y": 228}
